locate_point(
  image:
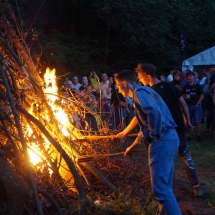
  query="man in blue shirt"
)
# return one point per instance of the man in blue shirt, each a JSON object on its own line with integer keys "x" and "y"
{"x": 157, "y": 128}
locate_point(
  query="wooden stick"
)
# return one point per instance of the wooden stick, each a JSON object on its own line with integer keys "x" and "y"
{"x": 86, "y": 158}
{"x": 97, "y": 137}
{"x": 105, "y": 137}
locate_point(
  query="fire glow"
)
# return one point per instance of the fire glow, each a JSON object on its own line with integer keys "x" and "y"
{"x": 50, "y": 90}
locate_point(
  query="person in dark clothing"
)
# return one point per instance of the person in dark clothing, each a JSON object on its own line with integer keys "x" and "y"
{"x": 175, "y": 103}
{"x": 209, "y": 96}
{"x": 177, "y": 80}
{"x": 84, "y": 83}
{"x": 193, "y": 95}
{"x": 117, "y": 110}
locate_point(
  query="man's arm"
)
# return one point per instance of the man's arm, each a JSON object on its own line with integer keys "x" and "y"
{"x": 138, "y": 141}
{"x": 185, "y": 111}
{"x": 130, "y": 127}
{"x": 200, "y": 99}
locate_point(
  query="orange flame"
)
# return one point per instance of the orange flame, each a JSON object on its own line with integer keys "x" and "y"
{"x": 51, "y": 92}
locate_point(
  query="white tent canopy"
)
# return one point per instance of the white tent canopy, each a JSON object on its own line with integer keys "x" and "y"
{"x": 204, "y": 58}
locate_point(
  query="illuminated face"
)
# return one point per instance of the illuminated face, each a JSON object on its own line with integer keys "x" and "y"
{"x": 142, "y": 76}
{"x": 122, "y": 86}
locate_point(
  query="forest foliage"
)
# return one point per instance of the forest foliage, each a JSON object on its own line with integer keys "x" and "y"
{"x": 77, "y": 36}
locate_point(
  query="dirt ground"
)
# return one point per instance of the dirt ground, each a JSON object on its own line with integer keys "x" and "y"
{"x": 190, "y": 205}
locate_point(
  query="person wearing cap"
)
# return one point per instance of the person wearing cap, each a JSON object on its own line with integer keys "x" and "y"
{"x": 147, "y": 75}
{"x": 193, "y": 95}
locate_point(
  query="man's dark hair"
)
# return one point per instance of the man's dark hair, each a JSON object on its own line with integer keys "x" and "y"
{"x": 149, "y": 69}
{"x": 127, "y": 75}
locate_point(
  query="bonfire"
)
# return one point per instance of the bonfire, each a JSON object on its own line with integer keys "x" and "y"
{"x": 44, "y": 156}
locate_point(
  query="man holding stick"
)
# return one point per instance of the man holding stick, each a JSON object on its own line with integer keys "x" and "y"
{"x": 157, "y": 128}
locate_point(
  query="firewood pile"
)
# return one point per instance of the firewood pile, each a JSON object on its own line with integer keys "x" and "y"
{"x": 40, "y": 143}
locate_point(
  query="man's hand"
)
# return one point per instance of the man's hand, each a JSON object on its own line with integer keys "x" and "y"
{"x": 121, "y": 135}
{"x": 128, "y": 151}
{"x": 189, "y": 126}
{"x": 178, "y": 87}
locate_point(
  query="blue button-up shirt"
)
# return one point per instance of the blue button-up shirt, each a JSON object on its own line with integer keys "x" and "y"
{"x": 152, "y": 113}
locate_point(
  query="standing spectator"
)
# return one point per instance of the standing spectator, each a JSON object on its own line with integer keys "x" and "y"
{"x": 94, "y": 80}
{"x": 210, "y": 105}
{"x": 162, "y": 78}
{"x": 90, "y": 101}
{"x": 118, "y": 111}
{"x": 177, "y": 80}
{"x": 175, "y": 103}
{"x": 76, "y": 85}
{"x": 66, "y": 87}
{"x": 67, "y": 84}
{"x": 193, "y": 95}
{"x": 211, "y": 75}
{"x": 104, "y": 91}
{"x": 204, "y": 77}
{"x": 170, "y": 77}
{"x": 183, "y": 79}
{"x": 157, "y": 128}
{"x": 205, "y": 85}
{"x": 196, "y": 77}
{"x": 84, "y": 83}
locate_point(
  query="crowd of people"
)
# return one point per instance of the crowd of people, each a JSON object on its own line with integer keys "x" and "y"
{"x": 199, "y": 96}
{"x": 166, "y": 110}
{"x": 103, "y": 99}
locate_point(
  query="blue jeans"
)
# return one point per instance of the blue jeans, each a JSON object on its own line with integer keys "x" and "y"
{"x": 186, "y": 158}
{"x": 161, "y": 158}
{"x": 195, "y": 113}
